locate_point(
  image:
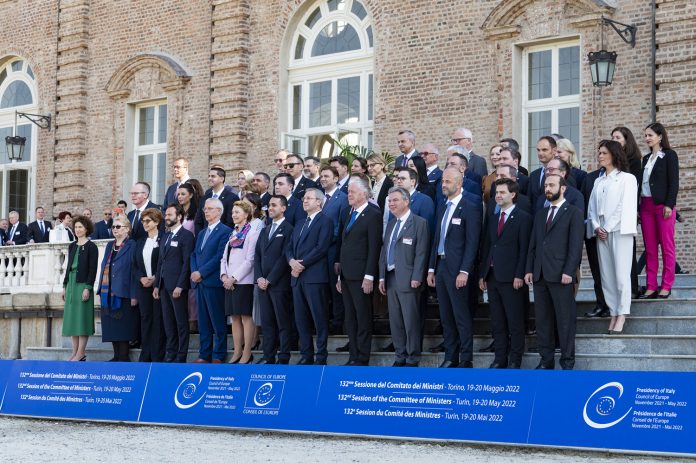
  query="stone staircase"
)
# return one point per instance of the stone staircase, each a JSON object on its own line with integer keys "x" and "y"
{"x": 659, "y": 335}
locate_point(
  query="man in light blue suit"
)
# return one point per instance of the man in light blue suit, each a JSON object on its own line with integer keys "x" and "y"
{"x": 335, "y": 207}
{"x": 205, "y": 276}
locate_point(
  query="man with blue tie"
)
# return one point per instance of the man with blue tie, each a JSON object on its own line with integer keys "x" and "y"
{"x": 217, "y": 190}
{"x": 39, "y": 229}
{"x": 546, "y": 151}
{"x": 452, "y": 258}
{"x": 272, "y": 274}
{"x": 335, "y": 207}
{"x": 172, "y": 283}
{"x": 420, "y": 204}
{"x": 283, "y": 184}
{"x": 307, "y": 256}
{"x": 340, "y": 163}
{"x": 205, "y": 275}
{"x": 402, "y": 268}
{"x": 407, "y": 147}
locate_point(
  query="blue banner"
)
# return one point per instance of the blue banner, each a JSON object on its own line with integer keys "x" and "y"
{"x": 642, "y": 411}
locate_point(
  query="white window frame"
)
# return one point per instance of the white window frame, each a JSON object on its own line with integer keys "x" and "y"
{"x": 553, "y": 104}
{"x": 153, "y": 149}
{"x": 308, "y": 70}
{"x": 7, "y": 120}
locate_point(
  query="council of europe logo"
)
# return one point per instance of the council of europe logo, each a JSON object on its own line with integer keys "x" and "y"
{"x": 600, "y": 411}
{"x": 266, "y": 393}
{"x": 188, "y": 394}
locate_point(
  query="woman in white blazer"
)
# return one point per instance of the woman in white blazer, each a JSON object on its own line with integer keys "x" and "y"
{"x": 612, "y": 218}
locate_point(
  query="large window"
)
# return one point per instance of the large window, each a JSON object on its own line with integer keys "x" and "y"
{"x": 330, "y": 79}
{"x": 151, "y": 147}
{"x": 551, "y": 90}
{"x": 17, "y": 93}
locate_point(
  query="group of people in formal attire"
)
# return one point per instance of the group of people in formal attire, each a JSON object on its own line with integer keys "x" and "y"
{"x": 300, "y": 255}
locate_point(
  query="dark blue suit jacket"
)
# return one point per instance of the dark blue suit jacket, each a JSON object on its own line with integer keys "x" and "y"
{"x": 535, "y": 188}
{"x": 270, "y": 261}
{"x": 302, "y": 185}
{"x": 461, "y": 237}
{"x": 422, "y": 206}
{"x": 228, "y": 197}
{"x": 472, "y": 187}
{"x": 174, "y": 267}
{"x": 207, "y": 260}
{"x": 508, "y": 252}
{"x": 312, "y": 249}
{"x": 123, "y": 276}
{"x": 572, "y": 195}
{"x": 170, "y": 196}
{"x": 137, "y": 230}
{"x": 334, "y": 209}
{"x": 102, "y": 231}
{"x": 474, "y": 177}
{"x": 295, "y": 213}
{"x": 21, "y": 234}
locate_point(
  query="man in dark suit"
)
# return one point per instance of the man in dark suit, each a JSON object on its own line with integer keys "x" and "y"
{"x": 431, "y": 156}
{"x": 504, "y": 257}
{"x": 294, "y": 214}
{"x": 4, "y": 225}
{"x": 217, "y": 190}
{"x": 420, "y": 204}
{"x": 172, "y": 283}
{"x": 294, "y": 165}
{"x": 572, "y": 194}
{"x": 555, "y": 250}
{"x": 140, "y": 197}
{"x": 180, "y": 169}
{"x": 601, "y": 309}
{"x": 546, "y": 151}
{"x": 359, "y": 246}
{"x": 340, "y": 163}
{"x": 452, "y": 259}
{"x": 272, "y": 274}
{"x": 335, "y": 207}
{"x": 459, "y": 161}
{"x": 464, "y": 138}
{"x": 403, "y": 264}
{"x": 521, "y": 201}
{"x": 515, "y": 150}
{"x": 509, "y": 157}
{"x": 102, "y": 229}
{"x": 407, "y": 147}
{"x": 307, "y": 255}
{"x": 39, "y": 228}
{"x": 205, "y": 275}
{"x": 18, "y": 232}
{"x": 260, "y": 185}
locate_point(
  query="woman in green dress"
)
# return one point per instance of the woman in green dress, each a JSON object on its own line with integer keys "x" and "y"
{"x": 78, "y": 288}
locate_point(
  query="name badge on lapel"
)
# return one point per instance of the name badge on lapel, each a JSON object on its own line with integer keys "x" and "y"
{"x": 278, "y": 236}
{"x": 456, "y": 221}
{"x": 174, "y": 244}
{"x": 408, "y": 241}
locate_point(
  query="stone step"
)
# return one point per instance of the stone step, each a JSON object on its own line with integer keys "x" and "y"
{"x": 481, "y": 360}
{"x": 679, "y": 280}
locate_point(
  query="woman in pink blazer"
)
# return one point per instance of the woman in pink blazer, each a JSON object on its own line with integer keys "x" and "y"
{"x": 237, "y": 276}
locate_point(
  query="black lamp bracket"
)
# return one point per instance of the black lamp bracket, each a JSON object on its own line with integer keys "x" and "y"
{"x": 39, "y": 119}
{"x": 627, "y": 32}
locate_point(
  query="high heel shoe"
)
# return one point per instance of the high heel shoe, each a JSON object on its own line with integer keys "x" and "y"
{"x": 652, "y": 295}
{"x": 233, "y": 361}
{"x": 83, "y": 359}
{"x": 248, "y": 362}
{"x": 664, "y": 296}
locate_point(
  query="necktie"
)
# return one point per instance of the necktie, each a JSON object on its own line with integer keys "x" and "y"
{"x": 392, "y": 244}
{"x": 328, "y": 197}
{"x": 169, "y": 238}
{"x": 443, "y": 230}
{"x": 501, "y": 222}
{"x": 549, "y": 219}
{"x": 274, "y": 227}
{"x": 215, "y": 195}
{"x": 12, "y": 232}
{"x": 353, "y": 216}
{"x": 205, "y": 238}
{"x": 136, "y": 220}
{"x": 304, "y": 227}
{"x": 541, "y": 177}
{"x": 41, "y": 227}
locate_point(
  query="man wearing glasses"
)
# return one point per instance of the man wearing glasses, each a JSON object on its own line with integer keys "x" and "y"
{"x": 102, "y": 229}
{"x": 180, "y": 170}
{"x": 465, "y": 139}
{"x": 431, "y": 156}
{"x": 279, "y": 160}
{"x": 311, "y": 169}
{"x": 294, "y": 165}
{"x": 140, "y": 197}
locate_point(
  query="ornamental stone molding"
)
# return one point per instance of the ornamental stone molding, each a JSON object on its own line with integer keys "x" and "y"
{"x": 154, "y": 68}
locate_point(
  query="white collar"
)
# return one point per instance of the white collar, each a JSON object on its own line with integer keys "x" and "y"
{"x": 405, "y": 217}
{"x": 211, "y": 227}
{"x": 509, "y": 210}
{"x": 362, "y": 208}
{"x": 175, "y": 230}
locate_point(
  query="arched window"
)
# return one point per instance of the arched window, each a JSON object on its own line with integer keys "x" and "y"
{"x": 17, "y": 93}
{"x": 330, "y": 78}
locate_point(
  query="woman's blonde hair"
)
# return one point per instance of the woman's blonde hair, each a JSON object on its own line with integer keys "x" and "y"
{"x": 567, "y": 145}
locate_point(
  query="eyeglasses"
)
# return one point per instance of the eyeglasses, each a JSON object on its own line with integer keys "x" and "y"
{"x": 178, "y": 167}
{"x": 117, "y": 227}
{"x": 146, "y": 220}
{"x": 425, "y": 153}
{"x": 108, "y": 214}
{"x": 279, "y": 160}
{"x": 290, "y": 165}
{"x": 457, "y": 140}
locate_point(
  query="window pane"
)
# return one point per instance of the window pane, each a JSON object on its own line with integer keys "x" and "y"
{"x": 147, "y": 126}
{"x": 4, "y": 132}
{"x": 539, "y": 75}
{"x": 25, "y": 130}
{"x": 313, "y": 18}
{"x": 145, "y": 168}
{"x": 358, "y": 10}
{"x": 296, "y": 146}
{"x": 348, "y": 100}
{"x": 16, "y": 94}
{"x": 161, "y": 186}
{"x": 369, "y": 36}
{"x": 569, "y": 71}
{"x": 370, "y": 96}
{"x": 299, "y": 47}
{"x": 336, "y": 5}
{"x": 3, "y": 76}
{"x": 17, "y": 65}
{"x": 296, "y": 108}
{"x": 538, "y": 125}
{"x": 18, "y": 193}
{"x": 370, "y": 137}
{"x": 336, "y": 37}
{"x": 162, "y": 123}
{"x": 320, "y": 146}
{"x": 320, "y": 104}
{"x": 569, "y": 125}
{"x": 30, "y": 72}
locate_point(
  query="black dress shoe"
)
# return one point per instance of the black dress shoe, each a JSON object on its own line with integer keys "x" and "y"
{"x": 664, "y": 296}
{"x": 134, "y": 344}
{"x": 495, "y": 365}
{"x": 305, "y": 362}
{"x": 355, "y": 363}
{"x": 466, "y": 364}
{"x": 411, "y": 365}
{"x": 448, "y": 364}
{"x": 266, "y": 362}
{"x": 645, "y": 295}
{"x": 345, "y": 348}
{"x": 598, "y": 312}
{"x": 488, "y": 348}
{"x": 388, "y": 348}
{"x": 439, "y": 348}
{"x": 543, "y": 366}
{"x": 399, "y": 364}
{"x": 513, "y": 366}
